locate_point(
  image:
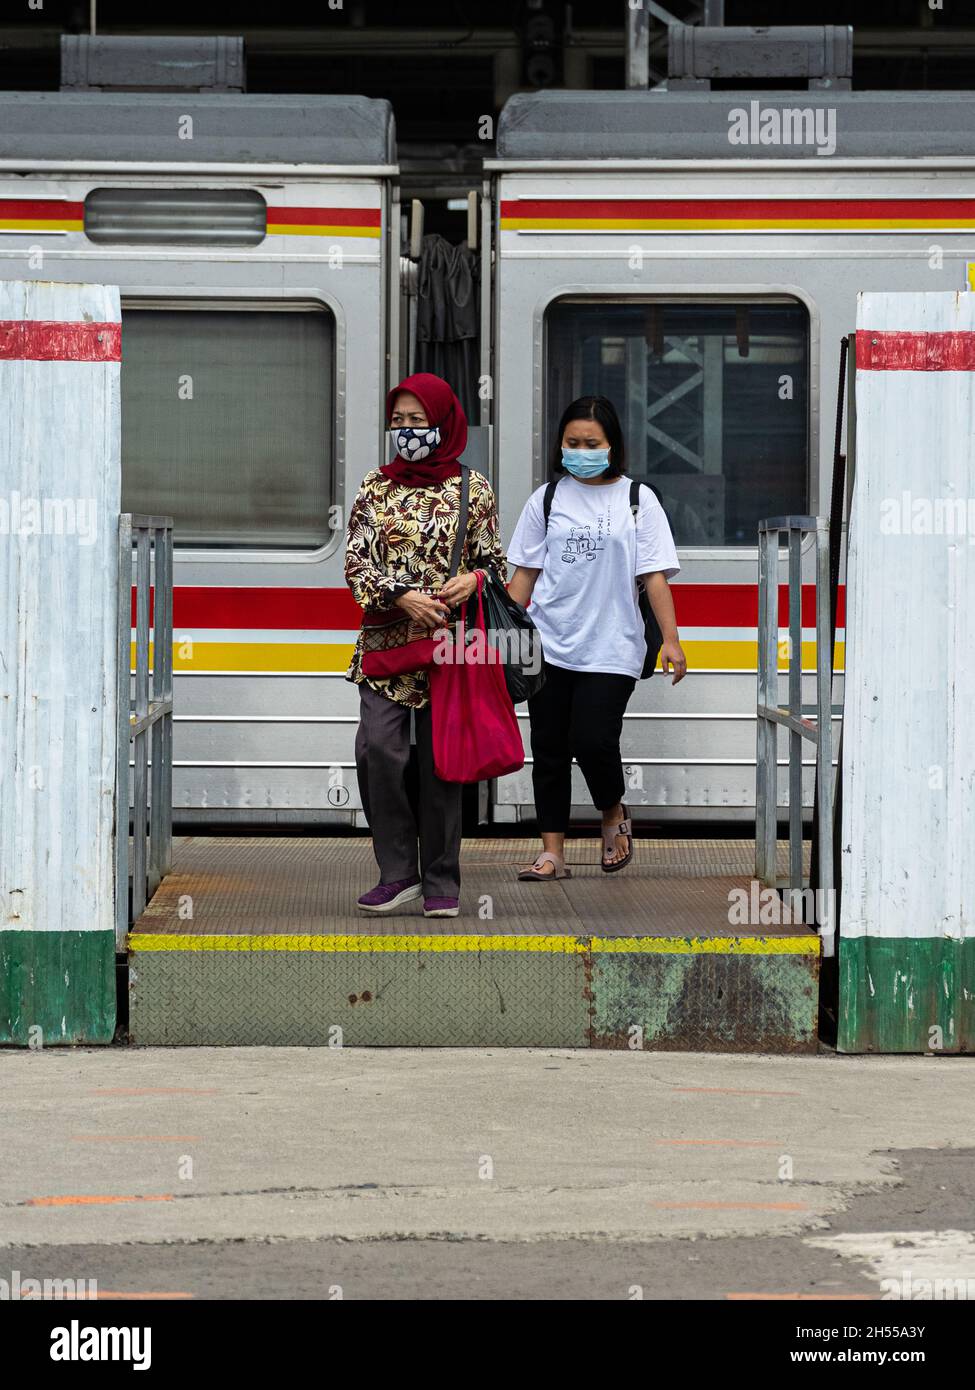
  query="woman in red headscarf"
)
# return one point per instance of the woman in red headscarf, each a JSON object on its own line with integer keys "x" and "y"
{"x": 399, "y": 548}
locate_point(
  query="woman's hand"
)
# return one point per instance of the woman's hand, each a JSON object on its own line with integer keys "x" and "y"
{"x": 672, "y": 653}
{"x": 458, "y": 589}
{"x": 423, "y": 609}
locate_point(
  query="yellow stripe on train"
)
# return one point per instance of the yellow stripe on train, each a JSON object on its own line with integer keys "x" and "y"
{"x": 327, "y": 657}
{"x": 316, "y": 229}
{"x": 32, "y": 224}
{"x": 738, "y": 224}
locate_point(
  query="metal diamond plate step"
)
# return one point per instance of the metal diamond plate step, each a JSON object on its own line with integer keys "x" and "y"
{"x": 257, "y": 940}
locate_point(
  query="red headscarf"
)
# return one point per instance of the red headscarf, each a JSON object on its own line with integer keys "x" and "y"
{"x": 443, "y": 409}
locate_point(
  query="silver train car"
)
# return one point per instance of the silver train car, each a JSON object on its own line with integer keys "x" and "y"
{"x": 695, "y": 256}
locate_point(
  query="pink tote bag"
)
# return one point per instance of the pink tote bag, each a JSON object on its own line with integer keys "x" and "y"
{"x": 475, "y": 730}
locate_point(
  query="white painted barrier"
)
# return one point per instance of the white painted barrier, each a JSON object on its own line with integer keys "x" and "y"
{"x": 907, "y": 919}
{"x": 60, "y": 349}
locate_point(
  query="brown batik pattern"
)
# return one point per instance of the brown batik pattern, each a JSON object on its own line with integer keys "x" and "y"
{"x": 401, "y": 538}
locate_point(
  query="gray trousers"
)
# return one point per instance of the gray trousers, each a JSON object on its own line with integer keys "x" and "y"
{"x": 401, "y": 825}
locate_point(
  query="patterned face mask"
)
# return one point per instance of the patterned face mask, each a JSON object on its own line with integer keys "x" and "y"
{"x": 416, "y": 444}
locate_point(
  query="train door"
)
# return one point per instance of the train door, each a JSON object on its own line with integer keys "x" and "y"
{"x": 444, "y": 310}
{"x": 443, "y": 327}
{"x": 712, "y": 375}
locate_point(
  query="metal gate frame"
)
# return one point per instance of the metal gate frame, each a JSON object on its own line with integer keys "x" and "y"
{"x": 144, "y": 719}
{"x": 771, "y": 715}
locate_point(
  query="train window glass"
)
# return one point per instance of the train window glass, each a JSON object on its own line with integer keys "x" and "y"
{"x": 227, "y": 423}
{"x": 176, "y": 216}
{"x": 713, "y": 398}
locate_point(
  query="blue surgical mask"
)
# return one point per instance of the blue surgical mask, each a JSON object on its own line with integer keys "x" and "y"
{"x": 415, "y": 444}
{"x": 585, "y": 463}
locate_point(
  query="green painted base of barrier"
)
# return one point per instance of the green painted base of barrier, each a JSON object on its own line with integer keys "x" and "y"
{"x": 57, "y": 987}
{"x": 907, "y": 994}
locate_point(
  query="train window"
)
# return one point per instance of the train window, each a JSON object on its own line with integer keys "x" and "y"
{"x": 227, "y": 423}
{"x": 713, "y": 397}
{"x": 176, "y": 216}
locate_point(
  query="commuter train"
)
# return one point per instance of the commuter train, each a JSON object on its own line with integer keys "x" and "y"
{"x": 628, "y": 247}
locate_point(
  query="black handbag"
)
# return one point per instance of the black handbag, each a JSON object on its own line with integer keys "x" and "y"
{"x": 651, "y": 628}
{"x": 512, "y": 631}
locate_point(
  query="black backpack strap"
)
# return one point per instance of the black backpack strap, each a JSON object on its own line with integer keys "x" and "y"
{"x": 547, "y": 499}
{"x": 635, "y": 501}
{"x": 462, "y": 516}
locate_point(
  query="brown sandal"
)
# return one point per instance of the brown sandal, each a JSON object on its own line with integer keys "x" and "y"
{"x": 546, "y": 857}
{"x": 623, "y": 827}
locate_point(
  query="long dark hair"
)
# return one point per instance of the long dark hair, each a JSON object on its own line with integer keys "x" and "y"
{"x": 603, "y": 411}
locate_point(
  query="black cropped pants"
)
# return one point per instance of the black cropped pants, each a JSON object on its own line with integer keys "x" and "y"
{"x": 576, "y": 714}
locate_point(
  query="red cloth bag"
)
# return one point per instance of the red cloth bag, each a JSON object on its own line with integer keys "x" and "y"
{"x": 475, "y": 730}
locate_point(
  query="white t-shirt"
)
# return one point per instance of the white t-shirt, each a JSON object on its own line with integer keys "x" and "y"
{"x": 585, "y": 601}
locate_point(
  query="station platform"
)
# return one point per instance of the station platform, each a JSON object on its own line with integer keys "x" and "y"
{"x": 258, "y": 941}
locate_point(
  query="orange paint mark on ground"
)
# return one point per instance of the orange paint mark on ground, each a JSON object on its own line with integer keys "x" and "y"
{"x": 804, "y": 1297}
{"x": 132, "y": 1138}
{"x": 93, "y": 1201}
{"x": 727, "y": 1091}
{"x": 127, "y": 1293}
{"x": 733, "y": 1206}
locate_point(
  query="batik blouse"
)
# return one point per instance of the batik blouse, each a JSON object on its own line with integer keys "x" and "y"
{"x": 401, "y": 538}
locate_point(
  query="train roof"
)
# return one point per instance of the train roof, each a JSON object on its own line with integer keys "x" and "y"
{"x": 659, "y": 125}
{"x": 228, "y": 128}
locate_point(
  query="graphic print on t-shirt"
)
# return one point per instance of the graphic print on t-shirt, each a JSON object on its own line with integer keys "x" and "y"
{"x": 581, "y": 544}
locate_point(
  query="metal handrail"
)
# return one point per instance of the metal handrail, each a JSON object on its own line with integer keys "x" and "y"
{"x": 144, "y": 720}
{"x": 771, "y": 715}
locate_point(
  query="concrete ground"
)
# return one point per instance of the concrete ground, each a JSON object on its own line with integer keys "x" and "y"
{"x": 358, "y": 1173}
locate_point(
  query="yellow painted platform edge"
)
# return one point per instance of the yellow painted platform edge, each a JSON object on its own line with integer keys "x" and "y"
{"x": 163, "y": 941}
{"x": 573, "y": 945}
{"x": 707, "y": 945}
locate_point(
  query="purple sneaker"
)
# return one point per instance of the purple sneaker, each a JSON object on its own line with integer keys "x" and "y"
{"x": 387, "y": 897}
{"x": 441, "y": 907}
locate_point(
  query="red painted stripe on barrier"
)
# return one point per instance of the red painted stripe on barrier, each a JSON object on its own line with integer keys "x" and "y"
{"x": 307, "y": 609}
{"x": 44, "y": 209}
{"x": 326, "y": 217}
{"x": 746, "y": 208}
{"x": 29, "y": 340}
{"x": 881, "y": 351}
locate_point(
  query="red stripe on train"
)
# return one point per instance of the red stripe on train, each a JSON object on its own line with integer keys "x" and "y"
{"x": 325, "y": 217}
{"x": 39, "y": 340}
{"x": 47, "y": 209}
{"x": 307, "y": 609}
{"x": 755, "y": 208}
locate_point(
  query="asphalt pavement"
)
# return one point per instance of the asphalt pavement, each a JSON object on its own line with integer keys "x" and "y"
{"x": 300, "y": 1173}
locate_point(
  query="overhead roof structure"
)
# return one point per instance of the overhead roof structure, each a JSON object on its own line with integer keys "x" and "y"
{"x": 655, "y": 124}
{"x": 227, "y": 127}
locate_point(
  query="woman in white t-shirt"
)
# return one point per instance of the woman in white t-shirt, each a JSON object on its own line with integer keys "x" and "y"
{"x": 580, "y": 573}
